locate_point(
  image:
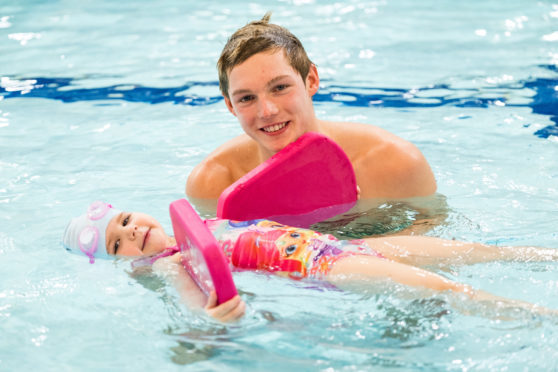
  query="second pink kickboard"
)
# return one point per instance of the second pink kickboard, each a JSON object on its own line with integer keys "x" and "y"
{"x": 308, "y": 181}
{"x": 202, "y": 256}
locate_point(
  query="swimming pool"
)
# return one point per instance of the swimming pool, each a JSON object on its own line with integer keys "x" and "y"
{"x": 120, "y": 101}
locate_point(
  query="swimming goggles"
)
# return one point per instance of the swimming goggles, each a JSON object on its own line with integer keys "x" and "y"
{"x": 89, "y": 236}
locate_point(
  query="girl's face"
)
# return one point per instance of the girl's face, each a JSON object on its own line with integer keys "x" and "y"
{"x": 135, "y": 234}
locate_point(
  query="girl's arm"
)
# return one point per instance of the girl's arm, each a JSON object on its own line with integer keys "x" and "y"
{"x": 173, "y": 270}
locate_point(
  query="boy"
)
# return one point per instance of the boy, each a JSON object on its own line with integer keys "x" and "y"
{"x": 268, "y": 82}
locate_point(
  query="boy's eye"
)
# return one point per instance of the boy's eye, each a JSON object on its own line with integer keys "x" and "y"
{"x": 281, "y": 87}
{"x": 116, "y": 246}
{"x": 125, "y": 221}
{"x": 246, "y": 99}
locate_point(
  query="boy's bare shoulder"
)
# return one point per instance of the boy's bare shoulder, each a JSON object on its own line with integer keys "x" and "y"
{"x": 357, "y": 139}
{"x": 385, "y": 165}
{"x": 221, "y": 168}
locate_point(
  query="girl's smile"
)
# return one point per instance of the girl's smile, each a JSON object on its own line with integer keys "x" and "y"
{"x": 136, "y": 234}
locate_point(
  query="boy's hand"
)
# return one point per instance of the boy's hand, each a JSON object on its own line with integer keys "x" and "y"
{"x": 229, "y": 311}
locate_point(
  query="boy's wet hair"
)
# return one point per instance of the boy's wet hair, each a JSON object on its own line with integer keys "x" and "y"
{"x": 256, "y": 37}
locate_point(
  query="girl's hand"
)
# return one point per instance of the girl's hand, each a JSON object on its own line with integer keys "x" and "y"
{"x": 176, "y": 258}
{"x": 226, "y": 312}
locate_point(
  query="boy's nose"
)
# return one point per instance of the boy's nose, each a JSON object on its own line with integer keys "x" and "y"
{"x": 267, "y": 108}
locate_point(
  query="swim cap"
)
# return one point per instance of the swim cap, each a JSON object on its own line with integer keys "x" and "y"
{"x": 86, "y": 233}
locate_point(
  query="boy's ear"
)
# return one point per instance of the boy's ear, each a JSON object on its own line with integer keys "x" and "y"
{"x": 229, "y": 105}
{"x": 312, "y": 80}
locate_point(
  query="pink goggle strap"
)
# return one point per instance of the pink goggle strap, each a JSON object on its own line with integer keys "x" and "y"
{"x": 88, "y": 240}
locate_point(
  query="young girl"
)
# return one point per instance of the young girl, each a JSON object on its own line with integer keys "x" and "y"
{"x": 103, "y": 232}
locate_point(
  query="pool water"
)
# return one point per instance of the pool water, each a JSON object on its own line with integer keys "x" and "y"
{"x": 119, "y": 101}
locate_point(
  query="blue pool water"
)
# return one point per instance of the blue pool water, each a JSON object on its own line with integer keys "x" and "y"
{"x": 119, "y": 101}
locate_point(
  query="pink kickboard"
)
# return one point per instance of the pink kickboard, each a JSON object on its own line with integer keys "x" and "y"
{"x": 202, "y": 256}
{"x": 310, "y": 180}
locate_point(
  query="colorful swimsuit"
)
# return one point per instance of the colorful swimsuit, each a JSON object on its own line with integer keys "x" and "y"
{"x": 270, "y": 246}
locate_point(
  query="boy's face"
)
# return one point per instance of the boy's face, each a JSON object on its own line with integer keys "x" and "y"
{"x": 271, "y": 101}
{"x": 135, "y": 234}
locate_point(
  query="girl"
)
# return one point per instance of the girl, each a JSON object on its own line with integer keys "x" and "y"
{"x": 103, "y": 232}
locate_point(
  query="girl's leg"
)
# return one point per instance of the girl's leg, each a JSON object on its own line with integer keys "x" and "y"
{"x": 364, "y": 270}
{"x": 426, "y": 250}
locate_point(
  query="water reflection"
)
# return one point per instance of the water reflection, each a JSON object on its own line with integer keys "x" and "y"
{"x": 378, "y": 217}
